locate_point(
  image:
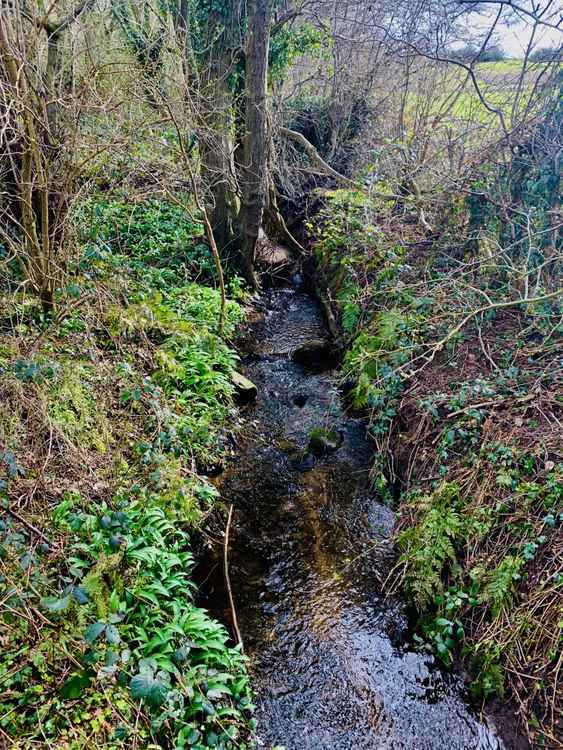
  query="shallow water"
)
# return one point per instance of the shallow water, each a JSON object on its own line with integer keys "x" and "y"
{"x": 309, "y": 553}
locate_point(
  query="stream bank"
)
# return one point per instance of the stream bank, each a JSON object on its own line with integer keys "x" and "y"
{"x": 309, "y": 552}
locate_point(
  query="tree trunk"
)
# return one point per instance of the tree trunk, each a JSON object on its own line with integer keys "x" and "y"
{"x": 215, "y": 126}
{"x": 255, "y": 163}
{"x": 217, "y": 162}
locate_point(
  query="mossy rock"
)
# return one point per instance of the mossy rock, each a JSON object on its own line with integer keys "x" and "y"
{"x": 316, "y": 354}
{"x": 286, "y": 446}
{"x": 323, "y": 441}
{"x": 302, "y": 461}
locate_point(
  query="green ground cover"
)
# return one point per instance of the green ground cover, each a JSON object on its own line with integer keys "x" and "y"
{"x": 110, "y": 412}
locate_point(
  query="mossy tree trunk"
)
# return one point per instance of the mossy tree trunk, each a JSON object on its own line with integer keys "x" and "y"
{"x": 215, "y": 105}
{"x": 256, "y": 141}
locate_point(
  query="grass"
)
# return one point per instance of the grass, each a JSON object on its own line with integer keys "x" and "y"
{"x": 446, "y": 98}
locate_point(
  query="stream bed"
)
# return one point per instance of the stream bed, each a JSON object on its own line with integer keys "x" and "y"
{"x": 309, "y": 553}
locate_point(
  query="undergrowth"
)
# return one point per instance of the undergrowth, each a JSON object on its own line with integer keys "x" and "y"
{"x": 111, "y": 413}
{"x": 465, "y": 410}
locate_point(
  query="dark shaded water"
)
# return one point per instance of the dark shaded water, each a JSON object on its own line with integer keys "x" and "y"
{"x": 309, "y": 553}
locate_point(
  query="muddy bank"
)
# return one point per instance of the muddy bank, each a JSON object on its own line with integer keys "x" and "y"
{"x": 309, "y": 552}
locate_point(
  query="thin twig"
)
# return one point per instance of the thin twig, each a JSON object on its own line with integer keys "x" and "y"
{"x": 28, "y": 525}
{"x": 228, "y": 580}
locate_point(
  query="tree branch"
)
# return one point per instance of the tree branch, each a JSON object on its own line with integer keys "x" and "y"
{"x": 54, "y": 28}
{"x": 533, "y": 14}
{"x": 317, "y": 159}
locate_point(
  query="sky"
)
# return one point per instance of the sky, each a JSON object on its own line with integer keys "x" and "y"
{"x": 514, "y": 37}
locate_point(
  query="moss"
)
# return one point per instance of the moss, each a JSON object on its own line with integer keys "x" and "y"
{"x": 101, "y": 581}
{"x": 13, "y": 430}
{"x": 323, "y": 441}
{"x": 175, "y": 492}
{"x": 7, "y": 352}
{"x": 76, "y": 411}
{"x": 118, "y": 439}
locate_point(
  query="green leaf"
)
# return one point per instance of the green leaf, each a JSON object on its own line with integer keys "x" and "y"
{"x": 114, "y": 604}
{"x": 76, "y": 685}
{"x": 193, "y": 736}
{"x": 25, "y": 560}
{"x": 116, "y": 541}
{"x": 218, "y": 692}
{"x": 112, "y": 657}
{"x": 94, "y": 631}
{"x": 145, "y": 686}
{"x": 80, "y": 595}
{"x": 442, "y": 622}
{"x": 55, "y": 603}
{"x": 182, "y": 654}
{"x": 112, "y": 634}
{"x": 147, "y": 666}
{"x": 166, "y": 664}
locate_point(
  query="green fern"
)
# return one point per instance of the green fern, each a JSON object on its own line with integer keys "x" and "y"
{"x": 431, "y": 544}
{"x": 500, "y": 589}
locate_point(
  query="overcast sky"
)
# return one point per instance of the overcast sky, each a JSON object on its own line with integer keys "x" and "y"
{"x": 515, "y": 37}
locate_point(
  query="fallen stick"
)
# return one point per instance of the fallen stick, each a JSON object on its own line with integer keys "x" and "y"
{"x": 228, "y": 580}
{"x": 28, "y": 525}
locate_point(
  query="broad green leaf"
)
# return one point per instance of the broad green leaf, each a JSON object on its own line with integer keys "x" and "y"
{"x": 112, "y": 634}
{"x": 147, "y": 687}
{"x": 94, "y": 631}
{"x": 80, "y": 595}
{"x": 76, "y": 685}
{"x": 55, "y": 603}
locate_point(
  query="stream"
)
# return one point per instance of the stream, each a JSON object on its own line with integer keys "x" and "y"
{"x": 309, "y": 553}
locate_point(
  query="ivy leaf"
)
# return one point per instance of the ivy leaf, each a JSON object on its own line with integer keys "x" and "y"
{"x": 25, "y": 560}
{"x": 193, "y": 736}
{"x": 116, "y": 541}
{"x": 75, "y": 685}
{"x": 80, "y": 595}
{"x": 148, "y": 665}
{"x": 94, "y": 631}
{"x": 181, "y": 654}
{"x": 218, "y": 692}
{"x": 55, "y": 603}
{"x": 112, "y": 657}
{"x": 145, "y": 686}
{"x": 121, "y": 518}
{"x": 112, "y": 634}
{"x": 442, "y": 622}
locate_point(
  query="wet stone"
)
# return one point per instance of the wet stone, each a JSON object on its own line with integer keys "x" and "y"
{"x": 315, "y": 354}
{"x": 302, "y": 461}
{"x": 245, "y": 390}
{"x": 322, "y": 442}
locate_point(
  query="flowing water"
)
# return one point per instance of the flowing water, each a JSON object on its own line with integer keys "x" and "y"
{"x": 309, "y": 552}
